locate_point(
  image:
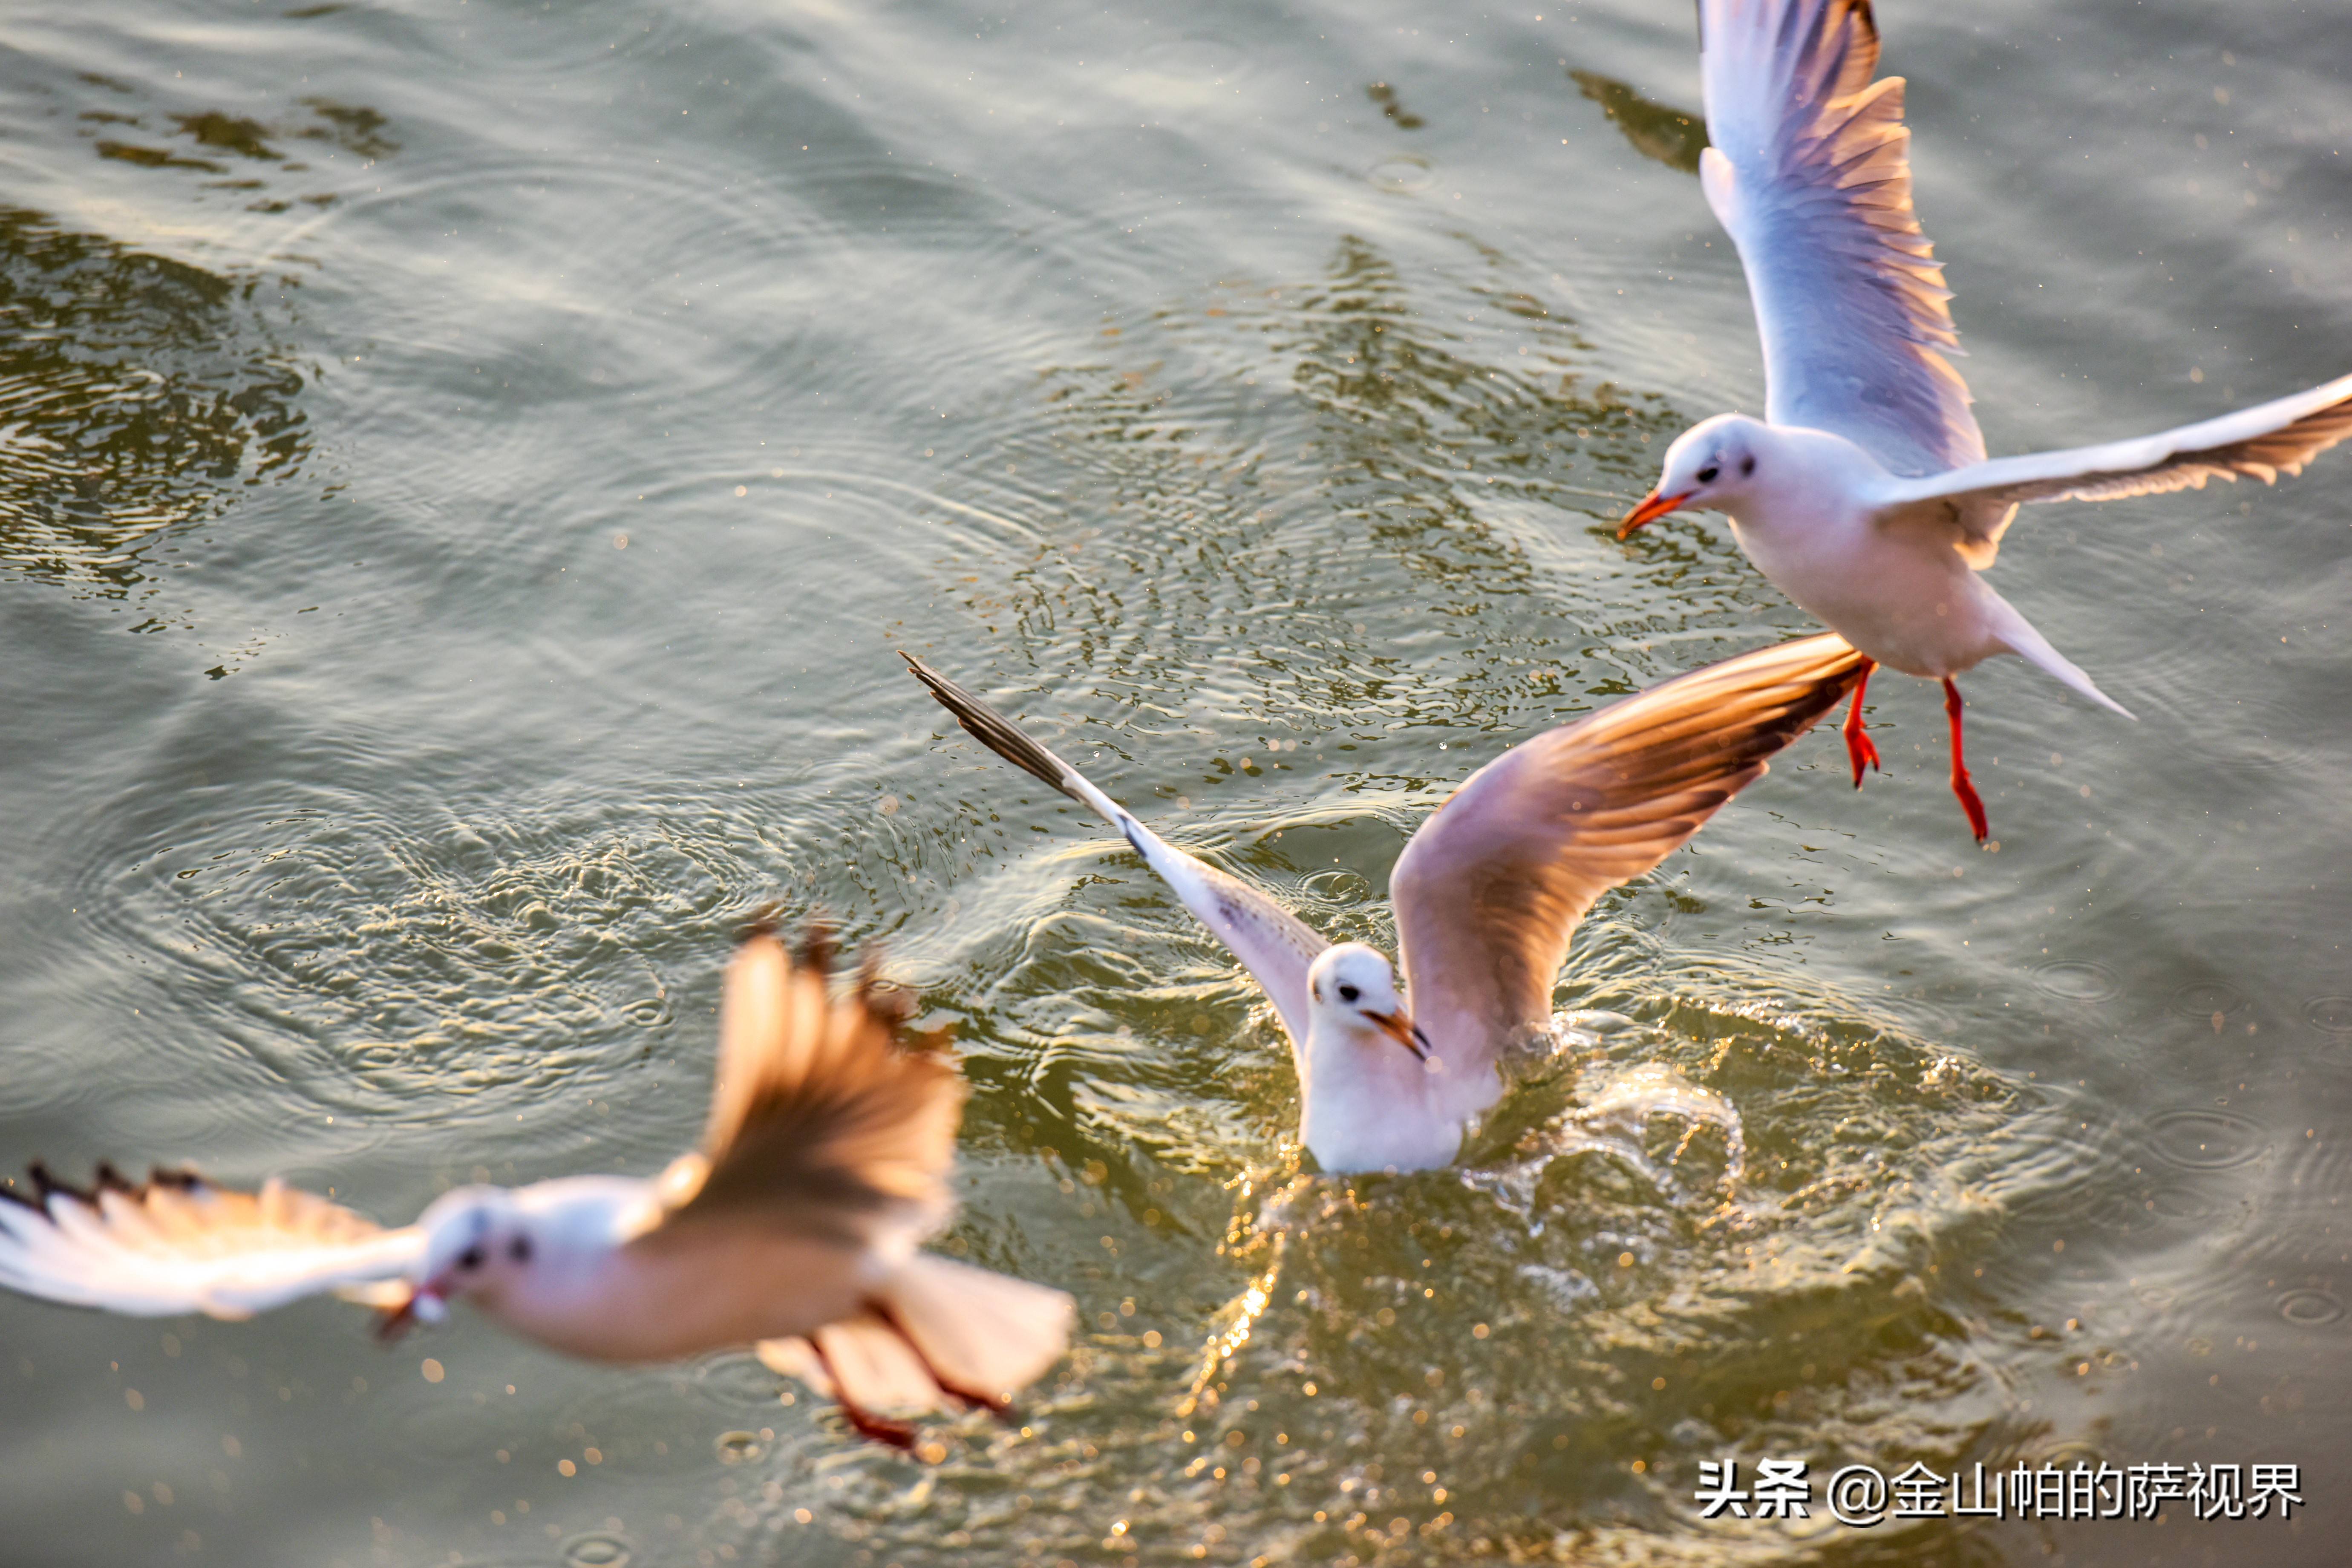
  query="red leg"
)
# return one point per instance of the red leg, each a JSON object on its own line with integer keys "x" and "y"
{"x": 1859, "y": 747}
{"x": 1969, "y": 801}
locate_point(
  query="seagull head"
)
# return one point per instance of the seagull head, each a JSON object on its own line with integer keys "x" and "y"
{"x": 1709, "y": 467}
{"x": 478, "y": 1240}
{"x": 1354, "y": 988}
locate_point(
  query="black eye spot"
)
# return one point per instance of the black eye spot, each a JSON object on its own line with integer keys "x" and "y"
{"x": 1748, "y": 465}
{"x": 1349, "y": 994}
{"x": 1706, "y": 475}
{"x": 519, "y": 1249}
{"x": 473, "y": 1257}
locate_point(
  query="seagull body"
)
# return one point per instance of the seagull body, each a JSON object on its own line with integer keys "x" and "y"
{"x": 1864, "y": 492}
{"x": 795, "y": 1229}
{"x": 1487, "y": 892}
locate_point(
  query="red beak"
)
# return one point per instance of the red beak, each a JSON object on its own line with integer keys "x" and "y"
{"x": 1653, "y": 507}
{"x": 1402, "y": 1029}
{"x": 392, "y": 1323}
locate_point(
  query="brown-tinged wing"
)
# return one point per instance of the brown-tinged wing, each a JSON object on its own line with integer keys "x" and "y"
{"x": 1276, "y": 946}
{"x": 1491, "y": 886}
{"x": 824, "y": 1118}
{"x": 176, "y": 1243}
{"x": 1977, "y": 502}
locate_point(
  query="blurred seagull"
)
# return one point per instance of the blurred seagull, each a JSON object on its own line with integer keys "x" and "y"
{"x": 1864, "y": 492}
{"x": 794, "y": 1229}
{"x": 1486, "y": 892}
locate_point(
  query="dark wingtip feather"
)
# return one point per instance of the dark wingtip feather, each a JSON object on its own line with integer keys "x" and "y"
{"x": 992, "y": 729}
{"x": 46, "y": 1186}
{"x": 107, "y": 1178}
{"x": 819, "y": 947}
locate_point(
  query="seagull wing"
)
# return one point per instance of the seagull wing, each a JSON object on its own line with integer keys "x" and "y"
{"x": 1975, "y": 504}
{"x": 1810, "y": 173}
{"x": 176, "y": 1243}
{"x": 827, "y": 1119}
{"x": 1490, "y": 887}
{"x": 1273, "y": 944}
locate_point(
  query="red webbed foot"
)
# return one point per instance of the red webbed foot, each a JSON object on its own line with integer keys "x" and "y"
{"x": 1962, "y": 785}
{"x": 1860, "y": 748}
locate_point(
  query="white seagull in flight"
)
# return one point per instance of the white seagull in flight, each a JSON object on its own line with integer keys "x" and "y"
{"x": 1486, "y": 892}
{"x": 794, "y": 1230}
{"x": 1864, "y": 492}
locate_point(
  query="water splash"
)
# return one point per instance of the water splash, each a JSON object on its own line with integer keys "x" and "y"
{"x": 1567, "y": 1035}
{"x": 1614, "y": 1119}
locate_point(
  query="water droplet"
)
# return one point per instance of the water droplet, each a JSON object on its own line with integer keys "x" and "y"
{"x": 2206, "y": 998}
{"x": 2203, "y": 1140}
{"x": 596, "y": 1552}
{"x": 2329, "y": 1015}
{"x": 2076, "y": 980}
{"x": 1403, "y": 175}
{"x": 740, "y": 1447}
{"x": 739, "y": 1379}
{"x": 1339, "y": 885}
{"x": 2310, "y": 1309}
{"x": 2182, "y": 1202}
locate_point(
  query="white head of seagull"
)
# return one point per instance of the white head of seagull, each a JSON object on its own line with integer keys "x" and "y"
{"x": 476, "y": 1242}
{"x": 1354, "y": 991}
{"x": 522, "y": 1253}
{"x": 1369, "y": 1091}
{"x": 1711, "y": 467}
{"x": 1866, "y": 494}
{"x": 1486, "y": 892}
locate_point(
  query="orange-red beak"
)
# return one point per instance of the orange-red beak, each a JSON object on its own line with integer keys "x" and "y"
{"x": 425, "y": 1304}
{"x": 1653, "y": 507}
{"x": 1403, "y": 1031}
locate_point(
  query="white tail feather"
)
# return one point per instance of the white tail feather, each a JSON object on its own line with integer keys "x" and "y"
{"x": 988, "y": 1334}
{"x": 2019, "y": 635}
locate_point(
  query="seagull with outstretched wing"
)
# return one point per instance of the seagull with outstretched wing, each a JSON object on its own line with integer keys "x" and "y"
{"x": 1864, "y": 492}
{"x": 794, "y": 1229}
{"x": 1487, "y": 891}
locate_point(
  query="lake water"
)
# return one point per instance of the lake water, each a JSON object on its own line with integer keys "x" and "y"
{"x": 471, "y": 465}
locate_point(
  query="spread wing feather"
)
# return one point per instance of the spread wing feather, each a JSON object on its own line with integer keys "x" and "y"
{"x": 825, "y": 1117}
{"x": 1977, "y": 502}
{"x": 176, "y": 1243}
{"x": 1809, "y": 174}
{"x": 1273, "y": 944}
{"x": 1490, "y": 889}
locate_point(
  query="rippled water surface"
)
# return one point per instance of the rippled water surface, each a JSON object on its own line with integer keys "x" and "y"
{"x": 470, "y": 467}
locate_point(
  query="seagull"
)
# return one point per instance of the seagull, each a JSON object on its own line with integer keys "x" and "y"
{"x": 1864, "y": 492}
{"x": 794, "y": 1229}
{"x": 1487, "y": 891}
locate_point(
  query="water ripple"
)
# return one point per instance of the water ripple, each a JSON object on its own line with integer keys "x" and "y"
{"x": 2203, "y": 1140}
{"x": 2310, "y": 1309}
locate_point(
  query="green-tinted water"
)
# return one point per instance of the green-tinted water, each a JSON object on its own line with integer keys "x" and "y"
{"x": 471, "y": 463}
